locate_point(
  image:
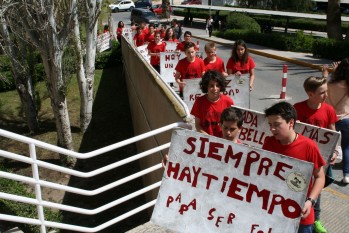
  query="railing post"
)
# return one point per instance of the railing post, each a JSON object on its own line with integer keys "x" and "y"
{"x": 36, "y": 176}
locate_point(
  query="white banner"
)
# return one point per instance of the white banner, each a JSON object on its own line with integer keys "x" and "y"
{"x": 238, "y": 88}
{"x": 103, "y": 42}
{"x": 255, "y": 128}
{"x": 144, "y": 51}
{"x": 128, "y": 33}
{"x": 214, "y": 185}
{"x": 170, "y": 46}
{"x": 168, "y": 63}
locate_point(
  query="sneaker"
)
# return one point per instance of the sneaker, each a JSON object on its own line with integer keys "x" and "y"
{"x": 318, "y": 227}
{"x": 346, "y": 179}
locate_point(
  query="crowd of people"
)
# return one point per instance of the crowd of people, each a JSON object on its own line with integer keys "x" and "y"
{"x": 327, "y": 106}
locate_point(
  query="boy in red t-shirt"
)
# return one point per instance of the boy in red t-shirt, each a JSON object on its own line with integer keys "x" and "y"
{"x": 281, "y": 118}
{"x": 138, "y": 39}
{"x": 231, "y": 122}
{"x": 187, "y": 38}
{"x": 316, "y": 112}
{"x": 189, "y": 67}
{"x": 212, "y": 61}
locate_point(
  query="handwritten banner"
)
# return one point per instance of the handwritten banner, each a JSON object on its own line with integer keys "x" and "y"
{"x": 238, "y": 88}
{"x": 214, "y": 185}
{"x": 103, "y": 42}
{"x": 170, "y": 46}
{"x": 255, "y": 128}
{"x": 168, "y": 63}
{"x": 144, "y": 51}
{"x": 128, "y": 33}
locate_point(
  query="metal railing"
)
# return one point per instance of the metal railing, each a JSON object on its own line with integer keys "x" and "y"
{"x": 39, "y": 183}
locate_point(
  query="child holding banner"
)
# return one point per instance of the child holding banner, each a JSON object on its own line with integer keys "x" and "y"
{"x": 154, "y": 49}
{"x": 316, "y": 112}
{"x": 281, "y": 118}
{"x": 187, "y": 38}
{"x": 119, "y": 32}
{"x": 240, "y": 62}
{"x": 231, "y": 122}
{"x": 189, "y": 67}
{"x": 138, "y": 39}
{"x": 207, "y": 109}
{"x": 212, "y": 61}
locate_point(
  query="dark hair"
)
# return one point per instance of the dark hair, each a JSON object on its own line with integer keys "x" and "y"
{"x": 167, "y": 37}
{"x": 312, "y": 83}
{"x": 188, "y": 45}
{"x": 341, "y": 73}
{"x": 232, "y": 114}
{"x": 234, "y": 54}
{"x": 187, "y": 33}
{"x": 151, "y": 25}
{"x": 284, "y": 109}
{"x": 212, "y": 75}
{"x": 119, "y": 24}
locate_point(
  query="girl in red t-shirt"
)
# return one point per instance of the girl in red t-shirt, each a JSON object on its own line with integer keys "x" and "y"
{"x": 207, "y": 109}
{"x": 154, "y": 49}
{"x": 170, "y": 36}
{"x": 138, "y": 39}
{"x": 240, "y": 62}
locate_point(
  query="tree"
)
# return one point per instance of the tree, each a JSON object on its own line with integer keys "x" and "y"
{"x": 334, "y": 29}
{"x": 47, "y": 25}
{"x": 86, "y": 72}
{"x": 16, "y": 50}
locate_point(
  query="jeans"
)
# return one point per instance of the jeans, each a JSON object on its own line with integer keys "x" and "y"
{"x": 343, "y": 127}
{"x": 317, "y": 208}
{"x": 305, "y": 228}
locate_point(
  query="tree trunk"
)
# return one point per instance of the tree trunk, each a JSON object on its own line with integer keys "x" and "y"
{"x": 57, "y": 92}
{"x": 23, "y": 80}
{"x": 334, "y": 29}
{"x": 91, "y": 42}
{"x": 81, "y": 78}
{"x": 347, "y": 34}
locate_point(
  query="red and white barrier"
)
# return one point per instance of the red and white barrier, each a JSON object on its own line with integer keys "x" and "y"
{"x": 284, "y": 82}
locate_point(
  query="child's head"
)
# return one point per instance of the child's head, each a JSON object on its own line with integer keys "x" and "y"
{"x": 210, "y": 49}
{"x": 120, "y": 24}
{"x": 231, "y": 122}
{"x": 316, "y": 89}
{"x": 157, "y": 36}
{"x": 239, "y": 52}
{"x": 187, "y": 36}
{"x": 212, "y": 76}
{"x": 139, "y": 30}
{"x": 189, "y": 50}
{"x": 281, "y": 118}
{"x": 151, "y": 28}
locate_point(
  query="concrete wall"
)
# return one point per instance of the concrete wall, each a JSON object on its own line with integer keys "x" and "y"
{"x": 152, "y": 105}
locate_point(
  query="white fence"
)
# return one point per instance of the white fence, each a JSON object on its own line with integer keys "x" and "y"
{"x": 39, "y": 183}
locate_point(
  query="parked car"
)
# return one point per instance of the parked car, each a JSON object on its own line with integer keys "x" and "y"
{"x": 139, "y": 15}
{"x": 123, "y": 5}
{"x": 143, "y": 4}
{"x": 191, "y": 2}
{"x": 157, "y": 9}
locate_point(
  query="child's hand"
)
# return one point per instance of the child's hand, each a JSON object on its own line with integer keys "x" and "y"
{"x": 164, "y": 160}
{"x": 238, "y": 73}
{"x": 324, "y": 70}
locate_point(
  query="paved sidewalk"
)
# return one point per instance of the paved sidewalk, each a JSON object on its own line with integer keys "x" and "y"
{"x": 335, "y": 198}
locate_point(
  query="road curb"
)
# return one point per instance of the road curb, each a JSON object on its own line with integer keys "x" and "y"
{"x": 265, "y": 54}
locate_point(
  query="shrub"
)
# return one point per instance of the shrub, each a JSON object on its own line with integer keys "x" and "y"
{"x": 109, "y": 57}
{"x": 6, "y": 78}
{"x": 331, "y": 49}
{"x": 242, "y": 21}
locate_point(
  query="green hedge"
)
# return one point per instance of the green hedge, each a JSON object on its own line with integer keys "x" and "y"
{"x": 331, "y": 49}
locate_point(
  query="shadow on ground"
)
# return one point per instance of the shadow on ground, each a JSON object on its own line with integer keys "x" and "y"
{"x": 111, "y": 123}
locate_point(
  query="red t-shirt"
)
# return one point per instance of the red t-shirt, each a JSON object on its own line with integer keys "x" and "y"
{"x": 218, "y": 65}
{"x": 156, "y": 48}
{"x": 190, "y": 70}
{"x": 322, "y": 117}
{"x": 145, "y": 31}
{"x": 209, "y": 113}
{"x": 139, "y": 38}
{"x": 304, "y": 149}
{"x": 118, "y": 33}
{"x": 150, "y": 37}
{"x": 238, "y": 66}
{"x": 180, "y": 46}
